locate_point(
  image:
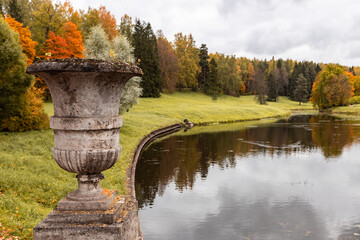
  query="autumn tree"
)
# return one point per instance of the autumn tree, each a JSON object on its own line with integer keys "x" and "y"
{"x": 89, "y": 19}
{"x": 228, "y": 74}
{"x": 28, "y": 45}
{"x": 204, "y": 66}
{"x": 94, "y": 17}
{"x": 126, "y": 27}
{"x": 169, "y": 63}
{"x": 69, "y": 14}
{"x": 187, "y": 53}
{"x": 56, "y": 47}
{"x": 108, "y": 22}
{"x": 146, "y": 51}
{"x": 260, "y": 84}
{"x": 73, "y": 40}
{"x": 250, "y": 78}
{"x": 46, "y": 17}
{"x": 301, "y": 90}
{"x": 331, "y": 88}
{"x": 355, "y": 82}
{"x": 17, "y": 104}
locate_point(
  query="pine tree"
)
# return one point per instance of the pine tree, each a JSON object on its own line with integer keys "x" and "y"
{"x": 301, "y": 91}
{"x": 15, "y": 11}
{"x": 272, "y": 85}
{"x": 293, "y": 78}
{"x": 204, "y": 66}
{"x": 146, "y": 51}
{"x": 211, "y": 86}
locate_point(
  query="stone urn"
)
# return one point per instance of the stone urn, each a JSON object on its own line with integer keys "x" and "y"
{"x": 86, "y": 122}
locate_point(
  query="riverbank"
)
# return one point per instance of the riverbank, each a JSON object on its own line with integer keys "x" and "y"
{"x": 31, "y": 183}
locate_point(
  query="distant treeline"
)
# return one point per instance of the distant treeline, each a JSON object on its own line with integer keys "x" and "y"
{"x": 43, "y": 29}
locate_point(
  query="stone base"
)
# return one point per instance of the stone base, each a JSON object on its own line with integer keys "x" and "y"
{"x": 120, "y": 222}
{"x": 66, "y": 204}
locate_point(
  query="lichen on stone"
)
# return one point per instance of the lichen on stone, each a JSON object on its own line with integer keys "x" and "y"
{"x": 83, "y": 65}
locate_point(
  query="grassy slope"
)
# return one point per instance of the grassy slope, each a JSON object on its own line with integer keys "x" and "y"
{"x": 355, "y": 110}
{"x": 31, "y": 183}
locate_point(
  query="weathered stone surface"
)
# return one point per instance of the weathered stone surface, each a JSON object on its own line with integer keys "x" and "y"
{"x": 86, "y": 95}
{"x": 83, "y": 65}
{"x": 120, "y": 222}
{"x": 85, "y": 123}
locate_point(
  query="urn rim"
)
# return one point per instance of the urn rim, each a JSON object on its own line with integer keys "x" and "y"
{"x": 83, "y": 65}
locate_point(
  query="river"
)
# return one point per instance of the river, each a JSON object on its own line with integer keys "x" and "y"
{"x": 294, "y": 178}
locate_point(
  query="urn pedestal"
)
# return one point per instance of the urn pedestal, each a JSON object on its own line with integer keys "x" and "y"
{"x": 86, "y": 97}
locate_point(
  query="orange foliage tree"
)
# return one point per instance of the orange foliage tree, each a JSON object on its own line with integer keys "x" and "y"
{"x": 68, "y": 46}
{"x": 73, "y": 40}
{"x": 27, "y": 43}
{"x": 169, "y": 63}
{"x": 56, "y": 47}
{"x": 108, "y": 22}
{"x": 355, "y": 82}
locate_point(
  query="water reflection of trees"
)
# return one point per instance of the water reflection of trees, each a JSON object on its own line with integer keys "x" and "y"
{"x": 183, "y": 159}
{"x": 333, "y": 135}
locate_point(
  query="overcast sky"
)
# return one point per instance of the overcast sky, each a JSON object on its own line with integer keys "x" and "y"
{"x": 317, "y": 30}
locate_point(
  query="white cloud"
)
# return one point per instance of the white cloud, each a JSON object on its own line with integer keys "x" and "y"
{"x": 318, "y": 30}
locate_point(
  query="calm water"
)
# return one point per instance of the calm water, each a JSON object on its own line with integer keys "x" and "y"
{"x": 297, "y": 178}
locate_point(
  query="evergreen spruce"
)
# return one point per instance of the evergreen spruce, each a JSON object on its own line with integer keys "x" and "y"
{"x": 272, "y": 88}
{"x": 211, "y": 86}
{"x": 15, "y": 10}
{"x": 301, "y": 92}
{"x": 293, "y": 78}
{"x": 204, "y": 66}
{"x": 145, "y": 50}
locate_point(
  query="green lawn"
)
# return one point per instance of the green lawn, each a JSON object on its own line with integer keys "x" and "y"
{"x": 31, "y": 183}
{"x": 354, "y": 110}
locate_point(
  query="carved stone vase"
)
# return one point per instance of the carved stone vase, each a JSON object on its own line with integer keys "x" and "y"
{"x": 86, "y": 97}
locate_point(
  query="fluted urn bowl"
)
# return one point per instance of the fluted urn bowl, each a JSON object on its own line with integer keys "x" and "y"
{"x": 86, "y": 97}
